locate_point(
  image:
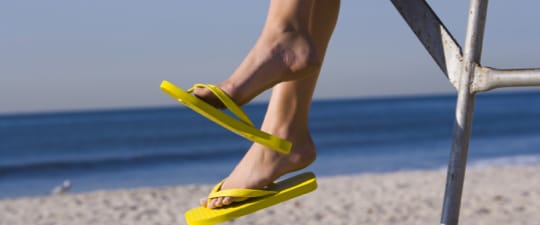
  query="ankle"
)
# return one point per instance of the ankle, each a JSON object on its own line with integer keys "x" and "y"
{"x": 303, "y": 150}
{"x": 299, "y": 54}
{"x": 296, "y": 50}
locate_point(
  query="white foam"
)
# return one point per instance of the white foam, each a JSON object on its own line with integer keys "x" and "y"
{"x": 508, "y": 161}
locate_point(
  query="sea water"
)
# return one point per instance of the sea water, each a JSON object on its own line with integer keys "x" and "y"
{"x": 151, "y": 147}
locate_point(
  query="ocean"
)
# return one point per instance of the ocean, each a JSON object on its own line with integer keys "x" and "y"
{"x": 150, "y": 147}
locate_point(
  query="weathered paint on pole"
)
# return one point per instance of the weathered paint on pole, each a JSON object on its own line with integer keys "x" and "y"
{"x": 487, "y": 78}
{"x": 434, "y": 36}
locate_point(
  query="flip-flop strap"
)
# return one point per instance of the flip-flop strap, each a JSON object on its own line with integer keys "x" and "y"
{"x": 226, "y": 100}
{"x": 239, "y": 193}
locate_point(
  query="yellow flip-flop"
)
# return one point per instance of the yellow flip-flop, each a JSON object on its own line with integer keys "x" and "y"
{"x": 257, "y": 199}
{"x": 241, "y": 126}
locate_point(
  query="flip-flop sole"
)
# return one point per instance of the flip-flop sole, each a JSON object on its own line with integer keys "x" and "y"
{"x": 287, "y": 189}
{"x": 226, "y": 121}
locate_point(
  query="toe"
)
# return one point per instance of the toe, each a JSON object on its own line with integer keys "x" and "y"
{"x": 203, "y": 202}
{"x": 208, "y": 97}
{"x": 211, "y": 204}
{"x": 219, "y": 202}
{"x": 227, "y": 201}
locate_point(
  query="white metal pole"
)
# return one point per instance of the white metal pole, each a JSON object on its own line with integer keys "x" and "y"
{"x": 464, "y": 113}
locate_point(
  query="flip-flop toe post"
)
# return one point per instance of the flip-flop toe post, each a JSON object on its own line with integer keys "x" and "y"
{"x": 256, "y": 199}
{"x": 241, "y": 125}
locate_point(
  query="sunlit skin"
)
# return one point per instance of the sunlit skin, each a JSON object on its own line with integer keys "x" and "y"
{"x": 287, "y": 57}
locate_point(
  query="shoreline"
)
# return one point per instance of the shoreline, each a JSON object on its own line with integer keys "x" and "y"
{"x": 492, "y": 195}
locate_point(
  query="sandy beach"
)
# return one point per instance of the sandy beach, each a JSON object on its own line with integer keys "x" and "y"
{"x": 494, "y": 195}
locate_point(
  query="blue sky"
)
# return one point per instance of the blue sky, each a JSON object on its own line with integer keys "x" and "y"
{"x": 80, "y": 54}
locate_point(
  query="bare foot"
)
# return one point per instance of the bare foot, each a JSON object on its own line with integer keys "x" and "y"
{"x": 281, "y": 56}
{"x": 261, "y": 166}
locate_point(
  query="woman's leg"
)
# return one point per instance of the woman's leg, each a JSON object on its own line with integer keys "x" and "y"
{"x": 284, "y": 51}
{"x": 287, "y": 117}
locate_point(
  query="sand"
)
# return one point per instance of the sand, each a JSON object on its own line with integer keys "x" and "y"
{"x": 494, "y": 195}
